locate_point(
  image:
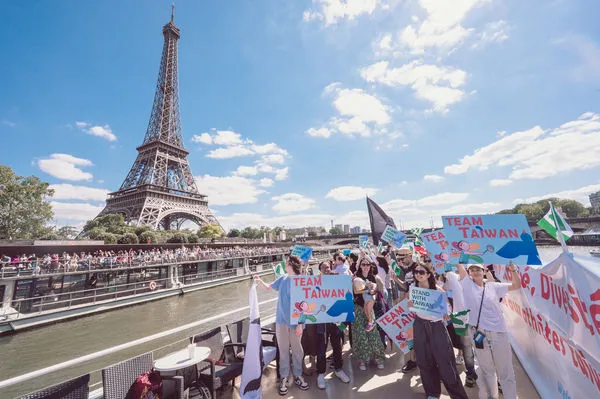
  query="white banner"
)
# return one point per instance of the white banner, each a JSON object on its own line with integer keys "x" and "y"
{"x": 554, "y": 321}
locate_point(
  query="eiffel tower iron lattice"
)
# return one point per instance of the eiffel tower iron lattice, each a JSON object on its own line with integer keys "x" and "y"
{"x": 159, "y": 190}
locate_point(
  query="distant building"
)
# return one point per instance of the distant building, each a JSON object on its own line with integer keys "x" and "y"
{"x": 339, "y": 226}
{"x": 304, "y": 231}
{"x": 355, "y": 230}
{"x": 346, "y": 229}
{"x": 595, "y": 201}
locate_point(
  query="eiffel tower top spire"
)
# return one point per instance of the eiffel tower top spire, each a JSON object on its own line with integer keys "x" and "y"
{"x": 160, "y": 190}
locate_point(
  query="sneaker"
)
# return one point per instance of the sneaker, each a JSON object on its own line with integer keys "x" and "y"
{"x": 341, "y": 374}
{"x": 321, "y": 381}
{"x": 283, "y": 386}
{"x": 470, "y": 382}
{"x": 459, "y": 359}
{"x": 379, "y": 364}
{"x": 301, "y": 383}
{"x": 370, "y": 327}
{"x": 362, "y": 366}
{"x": 409, "y": 366}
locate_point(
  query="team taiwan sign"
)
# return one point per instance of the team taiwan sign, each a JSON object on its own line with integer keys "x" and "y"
{"x": 321, "y": 299}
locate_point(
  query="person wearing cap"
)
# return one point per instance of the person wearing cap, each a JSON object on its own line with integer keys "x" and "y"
{"x": 493, "y": 352}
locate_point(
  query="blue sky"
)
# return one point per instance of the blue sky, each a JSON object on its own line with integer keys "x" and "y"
{"x": 293, "y": 110}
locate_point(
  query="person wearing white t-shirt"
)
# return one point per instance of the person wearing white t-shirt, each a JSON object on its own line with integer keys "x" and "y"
{"x": 494, "y": 354}
{"x": 340, "y": 266}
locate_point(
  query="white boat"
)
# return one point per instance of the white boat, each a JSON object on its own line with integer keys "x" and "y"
{"x": 595, "y": 252}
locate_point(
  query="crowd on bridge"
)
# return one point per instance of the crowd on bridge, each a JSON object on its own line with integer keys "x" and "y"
{"x": 437, "y": 351}
{"x": 101, "y": 259}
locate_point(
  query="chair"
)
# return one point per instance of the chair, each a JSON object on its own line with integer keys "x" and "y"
{"x": 76, "y": 388}
{"x": 118, "y": 378}
{"x": 222, "y": 366}
{"x": 238, "y": 334}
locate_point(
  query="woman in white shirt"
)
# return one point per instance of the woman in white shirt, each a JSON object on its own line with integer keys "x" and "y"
{"x": 492, "y": 351}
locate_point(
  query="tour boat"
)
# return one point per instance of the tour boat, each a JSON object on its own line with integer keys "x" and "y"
{"x": 595, "y": 252}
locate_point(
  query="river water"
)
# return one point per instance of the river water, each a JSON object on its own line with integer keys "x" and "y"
{"x": 45, "y": 346}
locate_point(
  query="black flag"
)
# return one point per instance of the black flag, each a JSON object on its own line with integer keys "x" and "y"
{"x": 378, "y": 220}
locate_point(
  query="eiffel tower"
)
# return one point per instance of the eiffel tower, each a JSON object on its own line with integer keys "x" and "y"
{"x": 159, "y": 190}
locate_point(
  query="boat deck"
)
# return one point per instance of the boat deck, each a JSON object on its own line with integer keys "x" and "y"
{"x": 387, "y": 383}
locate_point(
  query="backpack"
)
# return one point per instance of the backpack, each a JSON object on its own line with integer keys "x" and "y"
{"x": 146, "y": 386}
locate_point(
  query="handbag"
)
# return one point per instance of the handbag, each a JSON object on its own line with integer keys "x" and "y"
{"x": 479, "y": 336}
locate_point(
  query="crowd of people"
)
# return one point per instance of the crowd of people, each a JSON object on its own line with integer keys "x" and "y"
{"x": 100, "y": 259}
{"x": 438, "y": 351}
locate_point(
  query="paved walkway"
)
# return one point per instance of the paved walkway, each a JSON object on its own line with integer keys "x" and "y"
{"x": 373, "y": 383}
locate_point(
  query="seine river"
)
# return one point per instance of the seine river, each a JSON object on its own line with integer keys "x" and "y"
{"x": 35, "y": 349}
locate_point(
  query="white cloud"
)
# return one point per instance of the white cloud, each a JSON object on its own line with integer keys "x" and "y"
{"x": 203, "y": 138}
{"x": 350, "y": 193}
{"x": 333, "y": 11}
{"x": 96, "y": 130}
{"x": 8, "y": 123}
{"x": 65, "y": 166}
{"x": 581, "y": 194}
{"x": 587, "y": 51}
{"x": 229, "y": 152}
{"x": 227, "y": 137}
{"x": 441, "y": 29}
{"x": 420, "y": 205}
{"x": 320, "y": 132}
{"x": 500, "y": 182}
{"x": 493, "y": 32}
{"x": 266, "y": 182}
{"x": 69, "y": 191}
{"x": 228, "y": 190}
{"x": 292, "y": 202}
{"x": 438, "y": 85}
{"x": 75, "y": 211}
{"x": 273, "y": 159}
{"x": 358, "y": 113}
{"x": 538, "y": 153}
{"x": 433, "y": 178}
{"x": 246, "y": 171}
{"x": 281, "y": 174}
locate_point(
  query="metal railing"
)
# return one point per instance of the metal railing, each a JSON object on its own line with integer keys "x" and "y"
{"x": 62, "y": 265}
{"x": 82, "y": 359}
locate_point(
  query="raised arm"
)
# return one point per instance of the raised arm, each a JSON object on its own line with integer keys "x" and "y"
{"x": 516, "y": 279}
{"x": 462, "y": 272}
{"x": 259, "y": 281}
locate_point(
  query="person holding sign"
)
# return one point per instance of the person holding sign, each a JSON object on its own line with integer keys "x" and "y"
{"x": 433, "y": 348}
{"x": 490, "y": 334}
{"x": 287, "y": 334}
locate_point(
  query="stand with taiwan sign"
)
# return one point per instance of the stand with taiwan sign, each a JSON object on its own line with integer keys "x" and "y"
{"x": 321, "y": 299}
{"x": 398, "y": 323}
{"x": 490, "y": 239}
{"x": 391, "y": 235}
{"x": 304, "y": 253}
{"x": 428, "y": 302}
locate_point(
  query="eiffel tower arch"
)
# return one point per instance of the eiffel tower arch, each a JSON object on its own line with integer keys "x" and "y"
{"x": 159, "y": 190}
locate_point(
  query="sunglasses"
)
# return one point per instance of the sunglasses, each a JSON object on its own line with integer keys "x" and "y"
{"x": 367, "y": 264}
{"x": 421, "y": 272}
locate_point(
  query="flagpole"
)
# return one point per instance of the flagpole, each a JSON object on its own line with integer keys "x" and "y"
{"x": 559, "y": 233}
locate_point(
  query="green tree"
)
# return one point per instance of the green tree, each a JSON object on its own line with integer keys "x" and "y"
{"x": 312, "y": 233}
{"x": 251, "y": 233}
{"x": 111, "y": 223}
{"x": 67, "y": 232}
{"x": 109, "y": 238}
{"x": 573, "y": 209}
{"x": 177, "y": 237}
{"x": 24, "y": 206}
{"x": 210, "y": 231}
{"x": 128, "y": 238}
{"x": 192, "y": 238}
{"x": 233, "y": 233}
{"x": 336, "y": 231}
{"x": 148, "y": 237}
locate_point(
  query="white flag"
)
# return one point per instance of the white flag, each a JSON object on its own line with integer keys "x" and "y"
{"x": 250, "y": 387}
